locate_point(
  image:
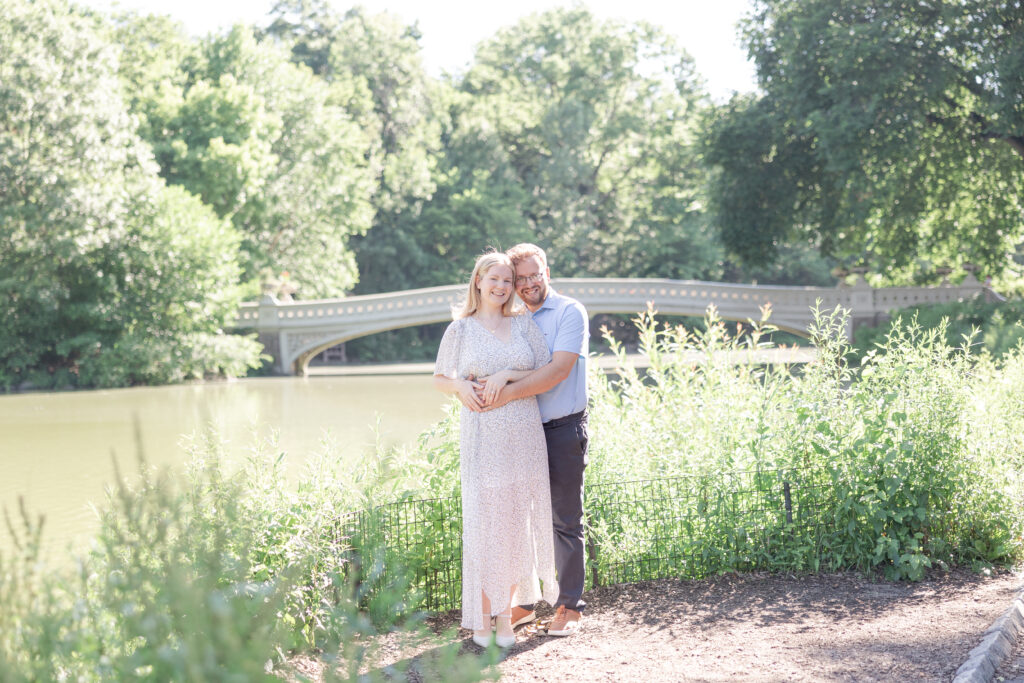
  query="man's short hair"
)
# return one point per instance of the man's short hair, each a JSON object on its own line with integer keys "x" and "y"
{"x": 524, "y": 251}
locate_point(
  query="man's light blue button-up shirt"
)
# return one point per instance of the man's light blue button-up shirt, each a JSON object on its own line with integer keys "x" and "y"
{"x": 566, "y": 327}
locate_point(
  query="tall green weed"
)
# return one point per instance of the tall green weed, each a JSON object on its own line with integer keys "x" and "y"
{"x": 996, "y": 327}
{"x": 907, "y": 459}
{"x": 897, "y": 446}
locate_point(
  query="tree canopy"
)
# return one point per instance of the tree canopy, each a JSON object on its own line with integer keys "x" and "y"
{"x": 598, "y": 119}
{"x": 265, "y": 143}
{"x": 890, "y": 134}
{"x": 108, "y": 277}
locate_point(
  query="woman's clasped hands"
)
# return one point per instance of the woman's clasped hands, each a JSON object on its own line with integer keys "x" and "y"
{"x": 483, "y": 394}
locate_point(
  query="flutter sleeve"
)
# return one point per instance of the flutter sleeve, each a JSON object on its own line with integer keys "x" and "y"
{"x": 538, "y": 345}
{"x": 448, "y": 353}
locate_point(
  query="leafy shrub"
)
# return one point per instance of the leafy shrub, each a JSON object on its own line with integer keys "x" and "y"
{"x": 999, "y": 325}
{"x": 909, "y": 461}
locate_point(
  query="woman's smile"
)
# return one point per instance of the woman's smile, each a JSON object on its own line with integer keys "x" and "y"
{"x": 497, "y": 284}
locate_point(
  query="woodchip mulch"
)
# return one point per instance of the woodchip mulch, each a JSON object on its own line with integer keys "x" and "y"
{"x": 750, "y": 627}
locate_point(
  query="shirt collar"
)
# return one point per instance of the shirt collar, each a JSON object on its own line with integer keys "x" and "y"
{"x": 549, "y": 300}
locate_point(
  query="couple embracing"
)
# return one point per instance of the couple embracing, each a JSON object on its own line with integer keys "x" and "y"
{"x": 521, "y": 377}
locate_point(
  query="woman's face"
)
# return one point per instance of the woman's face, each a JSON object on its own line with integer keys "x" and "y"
{"x": 496, "y": 284}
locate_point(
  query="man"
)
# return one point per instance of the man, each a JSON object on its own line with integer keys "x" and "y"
{"x": 561, "y": 390}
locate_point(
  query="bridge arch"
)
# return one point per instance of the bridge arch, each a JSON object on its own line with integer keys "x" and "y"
{"x": 304, "y": 355}
{"x": 294, "y": 332}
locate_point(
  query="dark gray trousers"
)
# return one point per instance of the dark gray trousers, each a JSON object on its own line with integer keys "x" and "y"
{"x": 567, "y": 458}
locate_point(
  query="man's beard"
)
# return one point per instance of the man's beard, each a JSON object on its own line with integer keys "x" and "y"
{"x": 539, "y": 293}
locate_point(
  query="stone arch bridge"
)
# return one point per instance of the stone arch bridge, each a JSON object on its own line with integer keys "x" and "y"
{"x": 293, "y": 332}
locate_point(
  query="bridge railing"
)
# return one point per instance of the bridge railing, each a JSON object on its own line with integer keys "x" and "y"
{"x": 294, "y": 331}
{"x": 602, "y": 294}
{"x": 299, "y": 313}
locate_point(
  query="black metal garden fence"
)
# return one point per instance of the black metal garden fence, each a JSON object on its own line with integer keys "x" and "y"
{"x": 683, "y": 526}
{"x": 693, "y": 526}
{"x": 421, "y": 536}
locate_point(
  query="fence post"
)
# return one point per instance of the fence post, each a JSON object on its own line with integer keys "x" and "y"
{"x": 788, "y": 502}
{"x": 592, "y": 556}
{"x": 358, "y": 535}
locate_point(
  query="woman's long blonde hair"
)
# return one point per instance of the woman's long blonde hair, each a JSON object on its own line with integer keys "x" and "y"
{"x": 483, "y": 264}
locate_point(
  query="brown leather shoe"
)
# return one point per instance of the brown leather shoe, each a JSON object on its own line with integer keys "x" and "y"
{"x": 521, "y": 615}
{"x": 565, "y": 623}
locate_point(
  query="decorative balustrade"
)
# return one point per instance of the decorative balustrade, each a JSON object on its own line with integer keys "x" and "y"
{"x": 295, "y": 331}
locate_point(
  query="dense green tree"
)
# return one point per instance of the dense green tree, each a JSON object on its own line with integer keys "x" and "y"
{"x": 598, "y": 120}
{"x": 308, "y": 28}
{"x": 568, "y": 131}
{"x": 266, "y": 144}
{"x": 385, "y": 55}
{"x": 890, "y": 134}
{"x": 799, "y": 264}
{"x": 318, "y": 194}
{"x": 160, "y": 297}
{"x": 154, "y": 62}
{"x": 405, "y": 121}
{"x": 377, "y": 60}
{"x": 477, "y": 202}
{"x": 107, "y": 277}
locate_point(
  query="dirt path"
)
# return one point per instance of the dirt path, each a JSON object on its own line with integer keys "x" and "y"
{"x": 757, "y": 627}
{"x": 772, "y": 628}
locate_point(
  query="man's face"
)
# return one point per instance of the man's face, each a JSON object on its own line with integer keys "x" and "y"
{"x": 532, "y": 281}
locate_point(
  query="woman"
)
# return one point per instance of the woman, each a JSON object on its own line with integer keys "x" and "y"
{"x": 506, "y": 500}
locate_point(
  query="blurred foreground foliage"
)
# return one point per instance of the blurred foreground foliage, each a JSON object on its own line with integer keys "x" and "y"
{"x": 217, "y": 577}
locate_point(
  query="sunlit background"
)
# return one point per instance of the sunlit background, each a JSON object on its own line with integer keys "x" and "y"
{"x": 452, "y": 28}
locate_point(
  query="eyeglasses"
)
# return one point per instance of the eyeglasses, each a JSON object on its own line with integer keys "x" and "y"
{"x": 523, "y": 279}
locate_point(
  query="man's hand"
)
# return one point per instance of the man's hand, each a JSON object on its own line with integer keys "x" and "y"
{"x": 492, "y": 386}
{"x": 498, "y": 401}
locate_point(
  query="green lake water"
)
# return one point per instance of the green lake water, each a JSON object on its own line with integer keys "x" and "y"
{"x": 57, "y": 450}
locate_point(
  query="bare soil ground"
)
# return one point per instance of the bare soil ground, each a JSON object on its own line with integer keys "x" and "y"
{"x": 751, "y": 627}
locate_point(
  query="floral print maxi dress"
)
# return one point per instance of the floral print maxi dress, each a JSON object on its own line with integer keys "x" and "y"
{"x": 506, "y": 495}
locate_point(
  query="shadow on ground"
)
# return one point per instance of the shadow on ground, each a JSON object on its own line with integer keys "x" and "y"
{"x": 751, "y": 627}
